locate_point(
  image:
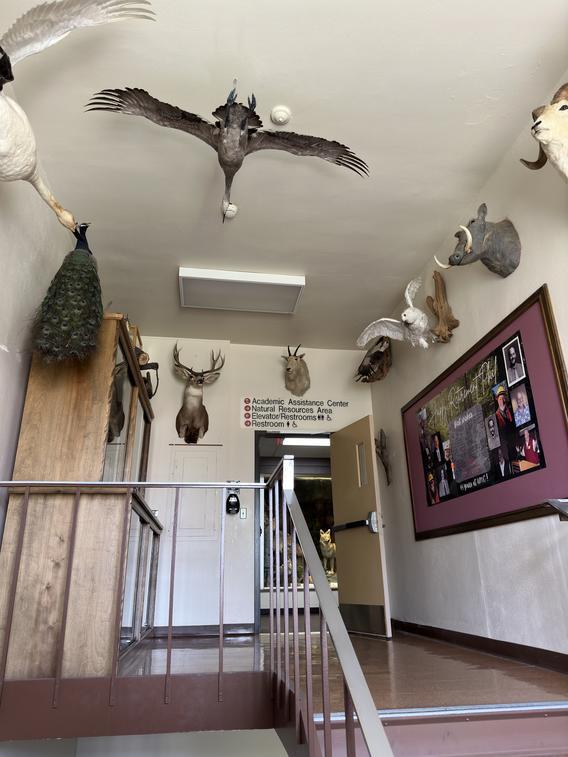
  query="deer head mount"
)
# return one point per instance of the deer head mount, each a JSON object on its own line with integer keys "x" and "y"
{"x": 192, "y": 421}
{"x": 296, "y": 373}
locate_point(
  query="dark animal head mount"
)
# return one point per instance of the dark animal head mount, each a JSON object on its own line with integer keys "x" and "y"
{"x": 550, "y": 126}
{"x": 6, "y": 74}
{"x": 197, "y": 379}
{"x": 237, "y": 114}
{"x": 376, "y": 363}
{"x": 496, "y": 245}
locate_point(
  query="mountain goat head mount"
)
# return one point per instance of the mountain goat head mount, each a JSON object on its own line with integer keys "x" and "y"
{"x": 192, "y": 421}
{"x": 496, "y": 245}
{"x": 296, "y": 373}
{"x": 550, "y": 129}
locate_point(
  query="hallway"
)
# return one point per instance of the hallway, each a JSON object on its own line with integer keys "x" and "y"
{"x": 405, "y": 673}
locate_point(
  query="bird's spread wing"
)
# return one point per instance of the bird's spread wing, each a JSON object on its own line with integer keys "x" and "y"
{"x": 300, "y": 144}
{"x": 137, "y": 102}
{"x": 411, "y": 290}
{"x": 48, "y": 23}
{"x": 382, "y": 327}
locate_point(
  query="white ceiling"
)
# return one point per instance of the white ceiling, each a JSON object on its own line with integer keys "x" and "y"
{"x": 430, "y": 94}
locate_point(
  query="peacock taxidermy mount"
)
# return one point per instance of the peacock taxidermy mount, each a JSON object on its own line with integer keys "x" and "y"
{"x": 39, "y": 28}
{"x": 69, "y": 318}
{"x": 236, "y": 133}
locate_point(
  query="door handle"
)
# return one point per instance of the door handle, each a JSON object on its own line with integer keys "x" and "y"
{"x": 371, "y": 523}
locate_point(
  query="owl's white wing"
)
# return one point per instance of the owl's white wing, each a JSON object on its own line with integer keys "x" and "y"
{"x": 48, "y": 23}
{"x": 411, "y": 290}
{"x": 382, "y": 327}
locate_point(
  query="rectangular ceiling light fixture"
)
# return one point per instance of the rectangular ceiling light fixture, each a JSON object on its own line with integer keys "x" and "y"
{"x": 239, "y": 290}
{"x": 306, "y": 441}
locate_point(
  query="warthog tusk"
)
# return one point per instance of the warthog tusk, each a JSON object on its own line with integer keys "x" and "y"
{"x": 442, "y": 265}
{"x": 469, "y": 245}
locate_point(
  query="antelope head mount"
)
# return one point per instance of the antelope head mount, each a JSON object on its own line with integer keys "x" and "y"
{"x": 192, "y": 421}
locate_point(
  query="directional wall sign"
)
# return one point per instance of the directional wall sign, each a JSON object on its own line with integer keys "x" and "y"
{"x": 287, "y": 414}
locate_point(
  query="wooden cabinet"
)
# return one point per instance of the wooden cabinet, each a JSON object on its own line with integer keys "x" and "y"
{"x": 81, "y": 422}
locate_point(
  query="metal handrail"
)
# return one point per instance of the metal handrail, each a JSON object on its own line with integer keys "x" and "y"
{"x": 368, "y": 718}
{"x": 130, "y": 484}
{"x": 360, "y": 696}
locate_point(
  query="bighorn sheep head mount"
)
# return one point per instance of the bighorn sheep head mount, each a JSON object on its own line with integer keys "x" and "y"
{"x": 192, "y": 422}
{"x": 550, "y": 129}
{"x": 496, "y": 245}
{"x": 296, "y": 373}
{"x": 376, "y": 363}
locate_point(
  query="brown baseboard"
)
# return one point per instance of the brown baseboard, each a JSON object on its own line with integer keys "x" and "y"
{"x": 520, "y": 652}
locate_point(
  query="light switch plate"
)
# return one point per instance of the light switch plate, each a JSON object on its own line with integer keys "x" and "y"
{"x": 243, "y": 512}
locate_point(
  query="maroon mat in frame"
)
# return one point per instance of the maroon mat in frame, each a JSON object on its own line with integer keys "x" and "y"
{"x": 520, "y": 496}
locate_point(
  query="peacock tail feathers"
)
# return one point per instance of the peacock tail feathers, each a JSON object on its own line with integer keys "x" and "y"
{"x": 67, "y": 323}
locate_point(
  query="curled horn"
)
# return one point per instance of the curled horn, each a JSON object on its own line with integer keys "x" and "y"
{"x": 442, "y": 265}
{"x": 469, "y": 243}
{"x": 540, "y": 162}
{"x": 561, "y": 94}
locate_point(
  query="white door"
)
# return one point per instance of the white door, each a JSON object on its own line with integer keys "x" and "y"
{"x": 196, "y": 592}
{"x": 361, "y": 566}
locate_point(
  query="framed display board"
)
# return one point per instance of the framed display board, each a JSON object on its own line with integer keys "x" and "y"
{"x": 487, "y": 441}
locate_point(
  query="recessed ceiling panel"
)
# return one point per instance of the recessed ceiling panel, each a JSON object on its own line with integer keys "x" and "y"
{"x": 239, "y": 290}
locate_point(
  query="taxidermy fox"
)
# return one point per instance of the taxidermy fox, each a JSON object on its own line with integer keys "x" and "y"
{"x": 327, "y": 549}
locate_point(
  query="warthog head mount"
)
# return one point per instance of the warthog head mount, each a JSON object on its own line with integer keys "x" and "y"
{"x": 550, "y": 129}
{"x": 496, "y": 245}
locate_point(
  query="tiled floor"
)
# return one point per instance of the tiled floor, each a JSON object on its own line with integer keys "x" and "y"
{"x": 409, "y": 671}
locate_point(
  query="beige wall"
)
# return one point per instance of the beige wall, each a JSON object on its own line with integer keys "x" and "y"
{"x": 32, "y": 245}
{"x": 509, "y": 582}
{"x": 249, "y": 369}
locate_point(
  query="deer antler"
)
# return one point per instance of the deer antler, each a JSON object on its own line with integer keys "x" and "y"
{"x": 181, "y": 368}
{"x": 214, "y": 367}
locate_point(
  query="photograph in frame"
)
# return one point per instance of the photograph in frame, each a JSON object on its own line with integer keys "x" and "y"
{"x": 499, "y": 417}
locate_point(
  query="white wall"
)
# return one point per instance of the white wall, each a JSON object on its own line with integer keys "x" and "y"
{"x": 52, "y": 748}
{"x": 199, "y": 744}
{"x": 32, "y": 245}
{"x": 509, "y": 582}
{"x": 249, "y": 369}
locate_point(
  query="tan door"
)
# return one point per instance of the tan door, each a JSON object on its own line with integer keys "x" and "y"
{"x": 361, "y": 567}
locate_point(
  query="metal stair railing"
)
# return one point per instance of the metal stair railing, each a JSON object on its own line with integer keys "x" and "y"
{"x": 287, "y": 529}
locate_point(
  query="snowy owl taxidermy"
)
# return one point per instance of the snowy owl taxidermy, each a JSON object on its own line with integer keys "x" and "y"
{"x": 413, "y": 327}
{"x": 36, "y": 30}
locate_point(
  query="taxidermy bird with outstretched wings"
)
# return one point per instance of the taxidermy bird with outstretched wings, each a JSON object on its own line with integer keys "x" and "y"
{"x": 236, "y": 133}
{"x": 414, "y": 326}
{"x": 36, "y": 30}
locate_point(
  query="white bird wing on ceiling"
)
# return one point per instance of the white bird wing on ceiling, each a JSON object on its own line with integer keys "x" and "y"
{"x": 48, "y": 23}
{"x": 411, "y": 290}
{"x": 383, "y": 327}
{"x": 137, "y": 102}
{"x": 305, "y": 146}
